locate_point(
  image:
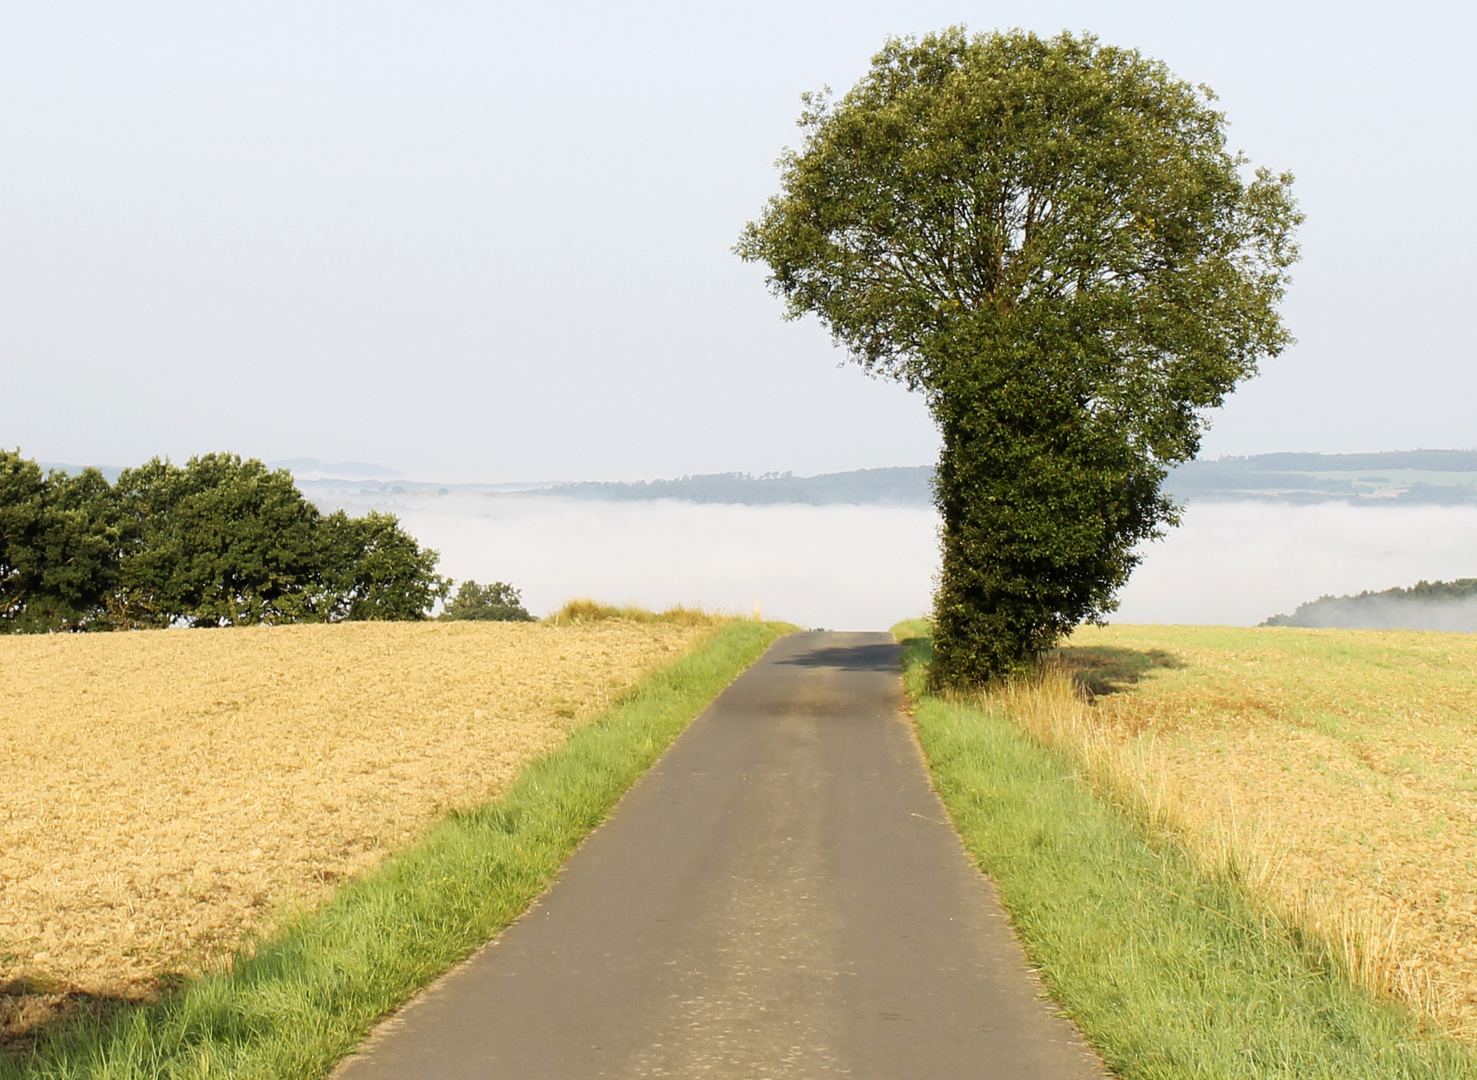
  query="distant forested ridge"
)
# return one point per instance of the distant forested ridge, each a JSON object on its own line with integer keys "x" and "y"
{"x": 1403, "y": 477}
{"x": 1396, "y": 478}
{"x": 1427, "y": 605}
{"x": 888, "y": 487}
{"x": 217, "y": 542}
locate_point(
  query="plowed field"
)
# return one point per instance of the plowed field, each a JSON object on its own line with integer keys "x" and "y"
{"x": 167, "y": 792}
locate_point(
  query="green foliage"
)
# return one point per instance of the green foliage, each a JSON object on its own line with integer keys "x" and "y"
{"x": 498, "y": 602}
{"x": 375, "y": 570}
{"x": 220, "y": 542}
{"x": 58, "y": 551}
{"x": 293, "y": 1006}
{"x": 1172, "y": 972}
{"x": 1051, "y": 241}
{"x": 20, "y": 514}
{"x": 1042, "y": 507}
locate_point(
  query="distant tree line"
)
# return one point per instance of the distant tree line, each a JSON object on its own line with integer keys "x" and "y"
{"x": 221, "y": 541}
{"x": 1426, "y": 605}
{"x": 1383, "y": 479}
{"x": 905, "y": 486}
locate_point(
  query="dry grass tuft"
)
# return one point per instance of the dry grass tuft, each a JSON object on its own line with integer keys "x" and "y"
{"x": 586, "y": 611}
{"x": 1335, "y": 772}
{"x": 170, "y": 792}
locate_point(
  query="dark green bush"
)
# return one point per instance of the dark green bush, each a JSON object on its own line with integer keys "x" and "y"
{"x": 497, "y": 602}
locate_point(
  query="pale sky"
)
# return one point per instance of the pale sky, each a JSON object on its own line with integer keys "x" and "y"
{"x": 492, "y": 241}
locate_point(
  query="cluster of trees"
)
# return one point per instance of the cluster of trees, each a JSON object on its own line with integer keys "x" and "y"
{"x": 1050, "y": 240}
{"x": 498, "y": 602}
{"x": 220, "y": 541}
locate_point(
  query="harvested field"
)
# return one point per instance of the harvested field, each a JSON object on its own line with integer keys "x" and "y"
{"x": 169, "y": 792}
{"x": 1336, "y": 769}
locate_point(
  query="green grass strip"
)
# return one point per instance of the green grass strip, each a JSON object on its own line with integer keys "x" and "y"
{"x": 308, "y": 996}
{"x": 1170, "y": 972}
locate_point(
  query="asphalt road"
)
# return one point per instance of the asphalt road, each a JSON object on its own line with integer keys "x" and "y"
{"x": 781, "y": 896}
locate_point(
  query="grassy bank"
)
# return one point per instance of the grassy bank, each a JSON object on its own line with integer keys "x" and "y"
{"x": 308, "y": 995}
{"x": 1172, "y": 971}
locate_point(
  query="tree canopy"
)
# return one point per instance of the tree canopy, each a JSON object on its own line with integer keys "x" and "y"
{"x": 219, "y": 542}
{"x": 497, "y": 602}
{"x": 58, "y": 547}
{"x": 1050, "y": 240}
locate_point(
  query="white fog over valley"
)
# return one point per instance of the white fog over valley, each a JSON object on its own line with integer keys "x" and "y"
{"x": 864, "y": 567}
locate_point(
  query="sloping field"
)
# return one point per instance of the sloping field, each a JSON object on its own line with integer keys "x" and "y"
{"x": 167, "y": 792}
{"x": 1336, "y": 768}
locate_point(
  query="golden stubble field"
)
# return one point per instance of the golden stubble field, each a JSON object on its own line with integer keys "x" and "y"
{"x": 1337, "y": 769}
{"x": 168, "y": 792}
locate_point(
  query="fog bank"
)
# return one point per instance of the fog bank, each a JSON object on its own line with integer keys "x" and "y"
{"x": 866, "y": 567}
{"x": 839, "y": 567}
{"x": 1386, "y": 613}
{"x": 1239, "y": 563}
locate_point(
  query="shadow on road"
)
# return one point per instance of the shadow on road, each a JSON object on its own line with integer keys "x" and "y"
{"x": 880, "y": 657}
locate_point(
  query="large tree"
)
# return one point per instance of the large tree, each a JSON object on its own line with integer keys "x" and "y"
{"x": 220, "y": 542}
{"x": 1049, "y": 239}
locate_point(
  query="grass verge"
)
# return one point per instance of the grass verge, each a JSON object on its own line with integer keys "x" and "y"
{"x": 1172, "y": 972}
{"x": 299, "y": 1002}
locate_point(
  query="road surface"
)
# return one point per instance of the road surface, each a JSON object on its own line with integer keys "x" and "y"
{"x": 780, "y": 897}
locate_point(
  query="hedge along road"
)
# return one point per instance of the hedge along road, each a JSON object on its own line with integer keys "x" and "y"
{"x": 781, "y": 896}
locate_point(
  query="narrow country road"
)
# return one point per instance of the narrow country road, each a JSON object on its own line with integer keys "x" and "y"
{"x": 780, "y": 897}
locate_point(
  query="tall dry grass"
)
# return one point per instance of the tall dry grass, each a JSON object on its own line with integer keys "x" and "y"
{"x": 1120, "y": 757}
{"x": 584, "y": 610}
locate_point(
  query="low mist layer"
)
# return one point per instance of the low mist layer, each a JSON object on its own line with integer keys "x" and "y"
{"x": 866, "y": 567}
{"x": 1435, "y": 605}
{"x": 838, "y": 566}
